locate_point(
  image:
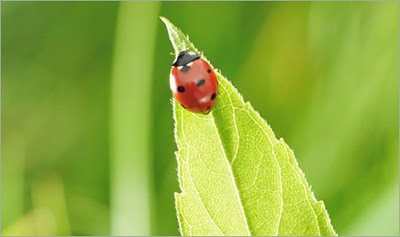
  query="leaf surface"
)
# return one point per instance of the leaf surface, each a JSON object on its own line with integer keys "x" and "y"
{"x": 236, "y": 178}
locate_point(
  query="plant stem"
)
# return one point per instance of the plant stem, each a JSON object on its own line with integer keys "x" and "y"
{"x": 130, "y": 118}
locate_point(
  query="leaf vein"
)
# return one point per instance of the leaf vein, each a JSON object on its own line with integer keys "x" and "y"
{"x": 305, "y": 191}
{"x": 279, "y": 170}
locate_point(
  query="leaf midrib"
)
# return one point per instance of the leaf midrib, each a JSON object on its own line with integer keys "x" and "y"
{"x": 232, "y": 178}
{"x": 194, "y": 184}
{"x": 236, "y": 150}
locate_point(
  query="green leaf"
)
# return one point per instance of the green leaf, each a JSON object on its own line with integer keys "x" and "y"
{"x": 236, "y": 177}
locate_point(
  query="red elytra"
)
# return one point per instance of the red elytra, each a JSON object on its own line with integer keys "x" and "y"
{"x": 193, "y": 83}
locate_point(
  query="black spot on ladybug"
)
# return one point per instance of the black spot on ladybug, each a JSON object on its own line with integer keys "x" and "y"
{"x": 181, "y": 89}
{"x": 208, "y": 107}
{"x": 185, "y": 68}
{"x": 213, "y": 96}
{"x": 200, "y": 82}
{"x": 183, "y": 106}
{"x": 185, "y": 57}
{"x": 209, "y": 70}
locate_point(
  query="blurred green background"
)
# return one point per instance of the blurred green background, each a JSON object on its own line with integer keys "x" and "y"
{"x": 87, "y": 129}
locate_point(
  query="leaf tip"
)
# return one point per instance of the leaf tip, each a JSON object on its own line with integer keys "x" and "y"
{"x": 165, "y": 20}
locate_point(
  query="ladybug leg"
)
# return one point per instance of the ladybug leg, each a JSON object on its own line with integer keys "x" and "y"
{"x": 207, "y": 111}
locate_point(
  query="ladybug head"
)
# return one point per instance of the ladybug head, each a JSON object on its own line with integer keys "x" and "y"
{"x": 185, "y": 57}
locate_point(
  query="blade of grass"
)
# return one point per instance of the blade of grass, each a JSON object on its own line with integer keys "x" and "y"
{"x": 130, "y": 116}
{"x": 374, "y": 221}
{"x": 49, "y": 215}
{"x": 48, "y": 196}
{"x": 12, "y": 189}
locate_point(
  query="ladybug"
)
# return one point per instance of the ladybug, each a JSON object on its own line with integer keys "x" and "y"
{"x": 193, "y": 82}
